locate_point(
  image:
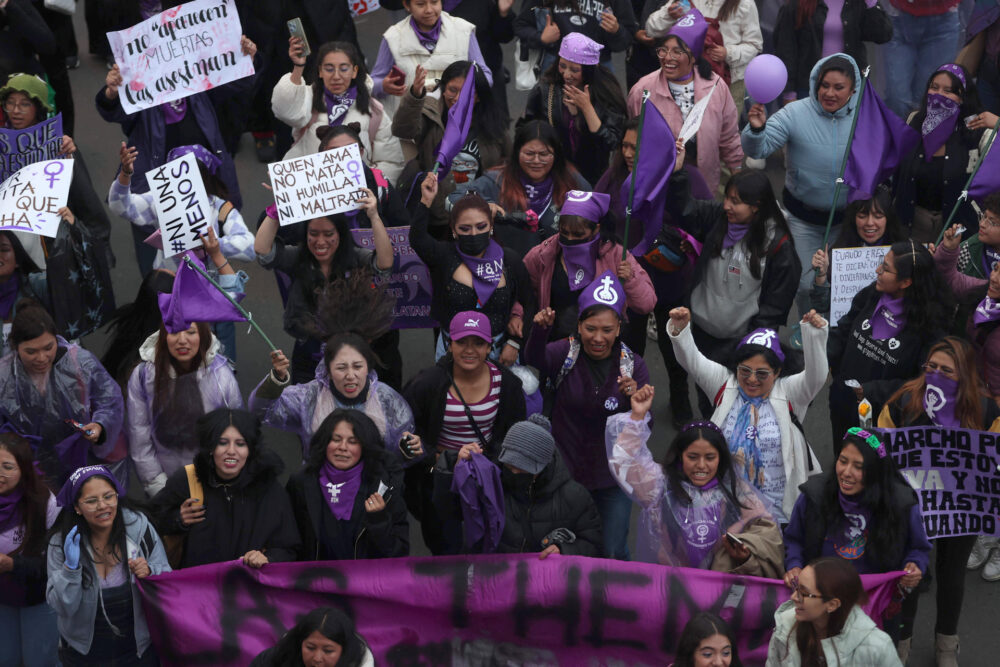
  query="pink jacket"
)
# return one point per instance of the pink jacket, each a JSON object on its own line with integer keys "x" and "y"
{"x": 541, "y": 264}
{"x": 719, "y": 134}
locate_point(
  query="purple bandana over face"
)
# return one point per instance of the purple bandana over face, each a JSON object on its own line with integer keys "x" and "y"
{"x": 339, "y": 488}
{"x": 428, "y": 39}
{"x": 942, "y": 115}
{"x": 735, "y": 234}
{"x": 940, "y": 397}
{"x": 988, "y": 310}
{"x": 889, "y": 317}
{"x": 850, "y": 542}
{"x": 539, "y": 194}
{"x": 174, "y": 112}
{"x": 10, "y": 512}
{"x": 581, "y": 262}
{"x": 337, "y": 106}
{"x": 486, "y": 270}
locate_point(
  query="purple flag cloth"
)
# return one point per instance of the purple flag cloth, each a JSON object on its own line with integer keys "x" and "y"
{"x": 942, "y": 115}
{"x": 987, "y": 179}
{"x": 653, "y": 166}
{"x": 340, "y": 487}
{"x": 988, "y": 310}
{"x": 984, "y": 14}
{"x": 194, "y": 299}
{"x": 486, "y": 270}
{"x": 459, "y": 122}
{"x": 480, "y": 493}
{"x": 881, "y": 141}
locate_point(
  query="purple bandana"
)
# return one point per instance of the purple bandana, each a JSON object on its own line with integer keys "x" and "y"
{"x": 953, "y": 69}
{"x": 210, "y": 160}
{"x": 735, "y": 234}
{"x": 339, "y": 488}
{"x": 10, "y": 509}
{"x": 766, "y": 338}
{"x": 486, "y": 270}
{"x": 605, "y": 291}
{"x": 942, "y": 115}
{"x": 429, "y": 39}
{"x": 990, "y": 258}
{"x": 580, "y": 49}
{"x": 940, "y": 397}
{"x": 889, "y": 317}
{"x": 337, "y": 106}
{"x": 71, "y": 489}
{"x": 988, "y": 310}
{"x": 174, "y": 112}
{"x": 8, "y": 295}
{"x": 581, "y": 262}
{"x": 852, "y": 538}
{"x": 539, "y": 194}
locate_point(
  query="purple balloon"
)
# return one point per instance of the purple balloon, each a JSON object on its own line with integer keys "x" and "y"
{"x": 765, "y": 78}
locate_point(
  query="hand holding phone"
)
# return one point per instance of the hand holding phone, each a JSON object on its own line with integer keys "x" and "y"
{"x": 80, "y": 427}
{"x": 733, "y": 540}
{"x": 296, "y": 30}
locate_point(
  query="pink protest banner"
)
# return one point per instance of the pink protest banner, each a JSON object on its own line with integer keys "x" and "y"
{"x": 516, "y": 609}
{"x": 184, "y": 50}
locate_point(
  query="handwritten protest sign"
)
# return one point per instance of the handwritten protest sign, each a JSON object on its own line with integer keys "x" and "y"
{"x": 851, "y": 270}
{"x": 185, "y": 50}
{"x": 510, "y": 609}
{"x": 362, "y": 7}
{"x": 31, "y": 198}
{"x": 954, "y": 472}
{"x": 693, "y": 121}
{"x": 316, "y": 185}
{"x": 410, "y": 281}
{"x": 181, "y": 204}
{"x": 19, "y": 148}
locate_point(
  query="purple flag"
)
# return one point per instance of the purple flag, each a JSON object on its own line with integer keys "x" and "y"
{"x": 654, "y": 164}
{"x": 459, "y": 121}
{"x": 881, "y": 141}
{"x": 194, "y": 299}
{"x": 987, "y": 179}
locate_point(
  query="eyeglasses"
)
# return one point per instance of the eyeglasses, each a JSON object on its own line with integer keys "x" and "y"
{"x": 676, "y": 52}
{"x": 109, "y": 498}
{"x": 762, "y": 374}
{"x": 885, "y": 268}
{"x": 24, "y": 105}
{"x": 931, "y": 367}
{"x": 986, "y": 221}
{"x": 343, "y": 69}
{"x": 804, "y": 594}
{"x": 540, "y": 156}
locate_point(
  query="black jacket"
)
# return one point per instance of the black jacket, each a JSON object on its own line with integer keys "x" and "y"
{"x": 384, "y": 534}
{"x": 553, "y": 500}
{"x": 250, "y": 513}
{"x": 801, "y": 48}
{"x": 427, "y": 394}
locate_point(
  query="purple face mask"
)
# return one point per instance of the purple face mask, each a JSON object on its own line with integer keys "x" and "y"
{"x": 940, "y": 397}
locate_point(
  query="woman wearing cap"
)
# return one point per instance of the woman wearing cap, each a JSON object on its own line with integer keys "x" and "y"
{"x": 28, "y": 509}
{"x": 561, "y": 266}
{"x": 758, "y": 409}
{"x": 473, "y": 271}
{"x": 866, "y": 513}
{"x": 695, "y": 500}
{"x": 949, "y": 393}
{"x": 593, "y": 374}
{"x": 100, "y": 547}
{"x": 583, "y": 101}
{"x": 683, "y": 79}
{"x": 544, "y": 509}
{"x": 465, "y": 398}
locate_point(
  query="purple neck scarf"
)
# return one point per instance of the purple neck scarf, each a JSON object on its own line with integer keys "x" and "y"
{"x": 940, "y": 397}
{"x": 942, "y": 115}
{"x": 428, "y": 39}
{"x": 337, "y": 106}
{"x": 988, "y": 310}
{"x": 340, "y": 487}
{"x": 850, "y": 541}
{"x": 486, "y": 270}
{"x": 148, "y": 8}
{"x": 539, "y": 194}
{"x": 10, "y": 509}
{"x": 8, "y": 295}
{"x": 174, "y": 112}
{"x": 581, "y": 262}
{"x": 889, "y": 317}
{"x": 735, "y": 234}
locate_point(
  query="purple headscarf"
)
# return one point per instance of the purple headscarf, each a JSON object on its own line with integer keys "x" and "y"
{"x": 71, "y": 489}
{"x": 210, "y": 160}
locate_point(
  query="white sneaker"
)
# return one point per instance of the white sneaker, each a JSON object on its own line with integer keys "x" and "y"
{"x": 991, "y": 571}
{"x": 981, "y": 552}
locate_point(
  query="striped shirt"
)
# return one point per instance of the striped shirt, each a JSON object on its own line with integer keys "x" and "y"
{"x": 456, "y": 430}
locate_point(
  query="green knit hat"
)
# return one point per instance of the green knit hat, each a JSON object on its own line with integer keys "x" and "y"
{"x": 30, "y": 85}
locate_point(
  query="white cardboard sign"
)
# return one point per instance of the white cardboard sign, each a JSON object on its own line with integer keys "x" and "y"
{"x": 851, "y": 270}
{"x": 319, "y": 184}
{"x": 181, "y": 203}
{"x": 31, "y": 197}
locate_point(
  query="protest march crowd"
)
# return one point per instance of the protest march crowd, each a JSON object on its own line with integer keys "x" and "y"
{"x": 546, "y": 246}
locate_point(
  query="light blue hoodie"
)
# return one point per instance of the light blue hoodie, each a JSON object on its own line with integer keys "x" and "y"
{"x": 815, "y": 142}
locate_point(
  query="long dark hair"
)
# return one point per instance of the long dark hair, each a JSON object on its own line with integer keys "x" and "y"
{"x": 880, "y": 202}
{"x": 307, "y": 271}
{"x": 214, "y": 186}
{"x": 928, "y": 297}
{"x": 35, "y": 501}
{"x": 132, "y": 323}
{"x": 879, "y": 478}
{"x": 754, "y": 188}
{"x": 363, "y": 101}
{"x": 702, "y": 66}
{"x": 25, "y": 264}
{"x": 489, "y": 119}
{"x": 330, "y": 622}
{"x": 836, "y": 578}
{"x": 164, "y": 364}
{"x": 210, "y": 427}
{"x": 970, "y": 103}
{"x": 672, "y": 464}
{"x": 365, "y": 430}
{"x": 703, "y": 625}
{"x": 605, "y": 91}
{"x": 512, "y": 195}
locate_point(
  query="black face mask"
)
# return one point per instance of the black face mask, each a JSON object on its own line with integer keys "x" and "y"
{"x": 516, "y": 482}
{"x": 572, "y": 242}
{"x": 473, "y": 244}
